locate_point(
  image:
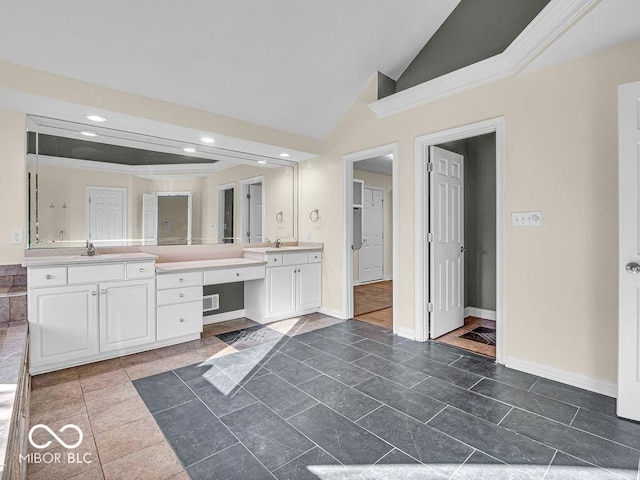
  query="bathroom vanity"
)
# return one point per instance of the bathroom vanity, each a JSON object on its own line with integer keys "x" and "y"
{"x": 84, "y": 309}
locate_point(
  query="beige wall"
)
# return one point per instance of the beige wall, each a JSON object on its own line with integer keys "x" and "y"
{"x": 385, "y": 183}
{"x": 13, "y": 181}
{"x": 561, "y": 157}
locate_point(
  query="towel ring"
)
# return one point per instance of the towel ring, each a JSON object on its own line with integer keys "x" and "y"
{"x": 314, "y": 216}
{"x": 279, "y": 217}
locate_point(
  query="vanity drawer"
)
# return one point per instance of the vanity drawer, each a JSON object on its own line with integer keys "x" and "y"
{"x": 95, "y": 273}
{"x": 274, "y": 259}
{"x": 314, "y": 257}
{"x": 179, "y": 295}
{"x": 294, "y": 258}
{"x": 46, "y": 277}
{"x": 237, "y": 274}
{"x": 178, "y": 320}
{"x": 177, "y": 280}
{"x": 141, "y": 270}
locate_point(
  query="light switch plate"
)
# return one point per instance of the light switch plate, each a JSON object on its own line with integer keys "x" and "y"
{"x": 526, "y": 219}
{"x": 16, "y": 235}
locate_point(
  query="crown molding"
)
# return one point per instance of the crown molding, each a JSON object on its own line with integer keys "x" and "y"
{"x": 548, "y": 25}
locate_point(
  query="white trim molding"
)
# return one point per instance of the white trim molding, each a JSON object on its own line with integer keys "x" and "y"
{"x": 593, "y": 384}
{"x": 480, "y": 313}
{"x": 332, "y": 313}
{"x": 494, "y": 125}
{"x": 543, "y": 30}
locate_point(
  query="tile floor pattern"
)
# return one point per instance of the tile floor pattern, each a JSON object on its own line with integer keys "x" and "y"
{"x": 323, "y": 399}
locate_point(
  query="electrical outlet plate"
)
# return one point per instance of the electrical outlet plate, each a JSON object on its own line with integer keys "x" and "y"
{"x": 16, "y": 235}
{"x": 526, "y": 219}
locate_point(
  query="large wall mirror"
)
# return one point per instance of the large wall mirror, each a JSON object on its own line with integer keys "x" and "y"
{"x": 116, "y": 188}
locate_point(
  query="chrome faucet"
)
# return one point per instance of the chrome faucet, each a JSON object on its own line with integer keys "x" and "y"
{"x": 91, "y": 250}
{"x": 277, "y": 243}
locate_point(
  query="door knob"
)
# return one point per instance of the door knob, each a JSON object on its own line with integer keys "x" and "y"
{"x": 633, "y": 267}
{"x": 103, "y": 291}
{"x": 94, "y": 293}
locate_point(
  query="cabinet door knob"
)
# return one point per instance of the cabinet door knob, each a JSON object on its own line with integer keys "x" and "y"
{"x": 141, "y": 270}
{"x": 237, "y": 274}
{"x": 48, "y": 277}
{"x": 182, "y": 320}
{"x": 103, "y": 291}
{"x": 94, "y": 293}
{"x": 181, "y": 295}
{"x": 181, "y": 280}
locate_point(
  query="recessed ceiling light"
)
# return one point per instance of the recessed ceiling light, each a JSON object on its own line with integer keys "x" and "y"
{"x": 189, "y": 149}
{"x": 207, "y": 140}
{"x": 89, "y": 134}
{"x": 95, "y": 118}
{"x": 284, "y": 155}
{"x": 262, "y": 161}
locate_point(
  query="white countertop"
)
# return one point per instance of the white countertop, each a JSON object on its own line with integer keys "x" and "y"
{"x": 299, "y": 248}
{"x": 206, "y": 264}
{"x": 49, "y": 260}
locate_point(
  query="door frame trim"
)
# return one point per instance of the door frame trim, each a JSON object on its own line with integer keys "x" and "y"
{"x": 422, "y": 144}
{"x": 347, "y": 224}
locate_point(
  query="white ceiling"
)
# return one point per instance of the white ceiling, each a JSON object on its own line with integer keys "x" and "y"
{"x": 292, "y": 65}
{"x": 382, "y": 165}
{"x": 610, "y": 23}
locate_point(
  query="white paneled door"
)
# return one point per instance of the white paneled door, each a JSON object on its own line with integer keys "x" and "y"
{"x": 372, "y": 250}
{"x": 446, "y": 241}
{"x": 629, "y": 250}
{"x": 107, "y": 215}
{"x": 150, "y": 218}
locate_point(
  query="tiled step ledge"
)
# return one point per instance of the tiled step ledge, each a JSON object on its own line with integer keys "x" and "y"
{"x": 14, "y": 291}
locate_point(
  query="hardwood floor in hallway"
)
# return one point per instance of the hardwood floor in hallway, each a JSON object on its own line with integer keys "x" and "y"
{"x": 373, "y": 303}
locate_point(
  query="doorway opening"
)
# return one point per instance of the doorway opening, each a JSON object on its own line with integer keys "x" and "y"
{"x": 460, "y": 232}
{"x": 252, "y": 209}
{"x": 226, "y": 204}
{"x": 371, "y": 226}
{"x": 468, "y": 245}
{"x": 174, "y": 218}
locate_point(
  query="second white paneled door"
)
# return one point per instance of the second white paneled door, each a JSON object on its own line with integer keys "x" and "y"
{"x": 372, "y": 251}
{"x": 446, "y": 225}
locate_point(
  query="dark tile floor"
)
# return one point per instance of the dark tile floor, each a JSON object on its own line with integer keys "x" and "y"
{"x": 353, "y": 401}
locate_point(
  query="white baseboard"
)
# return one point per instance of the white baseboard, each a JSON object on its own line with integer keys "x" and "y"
{"x": 388, "y": 277}
{"x": 406, "y": 333}
{"x": 480, "y": 313}
{"x": 222, "y": 317}
{"x": 592, "y": 384}
{"x": 332, "y": 313}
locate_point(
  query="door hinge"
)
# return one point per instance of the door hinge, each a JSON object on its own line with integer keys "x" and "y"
{"x": 429, "y": 166}
{"x": 430, "y": 307}
{"x": 429, "y": 237}
{"x": 249, "y": 196}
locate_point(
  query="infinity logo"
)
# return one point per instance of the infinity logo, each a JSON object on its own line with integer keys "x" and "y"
{"x": 58, "y": 439}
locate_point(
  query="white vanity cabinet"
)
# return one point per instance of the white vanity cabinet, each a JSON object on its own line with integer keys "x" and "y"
{"x": 80, "y": 313}
{"x": 292, "y": 286}
{"x": 179, "y": 304}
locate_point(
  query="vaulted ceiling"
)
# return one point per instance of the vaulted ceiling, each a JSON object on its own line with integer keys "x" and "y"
{"x": 291, "y": 65}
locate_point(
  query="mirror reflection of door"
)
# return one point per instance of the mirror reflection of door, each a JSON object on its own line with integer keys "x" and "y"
{"x": 252, "y": 210}
{"x": 226, "y": 200}
{"x": 106, "y": 215}
{"x": 174, "y": 219}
